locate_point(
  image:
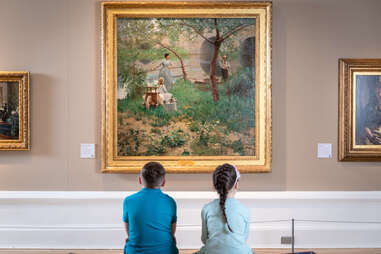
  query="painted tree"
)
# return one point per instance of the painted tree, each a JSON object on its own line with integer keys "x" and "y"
{"x": 216, "y": 31}
{"x": 144, "y": 39}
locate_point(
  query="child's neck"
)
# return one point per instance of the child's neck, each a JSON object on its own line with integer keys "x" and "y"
{"x": 232, "y": 193}
{"x": 155, "y": 188}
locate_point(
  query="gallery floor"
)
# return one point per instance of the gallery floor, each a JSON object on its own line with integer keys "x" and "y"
{"x": 258, "y": 251}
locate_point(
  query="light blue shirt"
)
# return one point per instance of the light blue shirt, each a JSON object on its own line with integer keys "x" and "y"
{"x": 216, "y": 236}
{"x": 150, "y": 214}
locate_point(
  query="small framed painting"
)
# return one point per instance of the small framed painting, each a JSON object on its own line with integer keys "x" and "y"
{"x": 14, "y": 110}
{"x": 359, "y": 110}
{"x": 187, "y": 84}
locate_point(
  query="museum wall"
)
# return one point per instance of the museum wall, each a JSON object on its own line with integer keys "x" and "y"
{"x": 58, "y": 41}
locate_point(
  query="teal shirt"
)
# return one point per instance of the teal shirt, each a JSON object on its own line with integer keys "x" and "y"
{"x": 216, "y": 237}
{"x": 150, "y": 214}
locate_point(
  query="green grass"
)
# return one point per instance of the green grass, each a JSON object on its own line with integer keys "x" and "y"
{"x": 236, "y": 113}
{"x": 209, "y": 122}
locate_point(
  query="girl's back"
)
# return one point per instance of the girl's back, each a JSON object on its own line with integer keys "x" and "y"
{"x": 215, "y": 232}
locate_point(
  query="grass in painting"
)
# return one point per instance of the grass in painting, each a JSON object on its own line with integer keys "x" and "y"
{"x": 200, "y": 126}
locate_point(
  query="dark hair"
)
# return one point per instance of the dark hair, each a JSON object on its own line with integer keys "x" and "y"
{"x": 223, "y": 180}
{"x": 166, "y": 54}
{"x": 153, "y": 174}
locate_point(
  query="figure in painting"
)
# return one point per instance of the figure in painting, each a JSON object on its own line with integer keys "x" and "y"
{"x": 225, "y": 66}
{"x": 160, "y": 96}
{"x": 370, "y": 123}
{"x": 165, "y": 72}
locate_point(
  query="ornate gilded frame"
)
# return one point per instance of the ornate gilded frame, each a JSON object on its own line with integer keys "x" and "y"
{"x": 262, "y": 11}
{"x": 348, "y": 150}
{"x": 23, "y": 142}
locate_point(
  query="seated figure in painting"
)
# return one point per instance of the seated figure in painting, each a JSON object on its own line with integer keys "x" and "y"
{"x": 164, "y": 95}
{"x": 160, "y": 96}
{"x": 371, "y": 124}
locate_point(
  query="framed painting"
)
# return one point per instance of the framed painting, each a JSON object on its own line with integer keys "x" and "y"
{"x": 360, "y": 110}
{"x": 187, "y": 84}
{"x": 14, "y": 110}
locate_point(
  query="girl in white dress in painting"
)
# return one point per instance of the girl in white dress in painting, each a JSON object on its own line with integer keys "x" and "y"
{"x": 164, "y": 96}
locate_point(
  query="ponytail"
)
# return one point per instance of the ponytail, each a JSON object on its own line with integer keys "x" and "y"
{"x": 224, "y": 179}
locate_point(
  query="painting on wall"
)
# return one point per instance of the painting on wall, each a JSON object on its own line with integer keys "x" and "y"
{"x": 183, "y": 84}
{"x": 14, "y": 110}
{"x": 360, "y": 110}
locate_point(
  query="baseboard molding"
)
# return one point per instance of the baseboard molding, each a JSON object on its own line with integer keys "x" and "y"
{"x": 92, "y": 220}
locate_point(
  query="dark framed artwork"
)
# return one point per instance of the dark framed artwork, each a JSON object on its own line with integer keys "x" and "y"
{"x": 14, "y": 110}
{"x": 360, "y": 109}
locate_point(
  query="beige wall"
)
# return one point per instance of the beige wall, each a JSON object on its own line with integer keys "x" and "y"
{"x": 58, "y": 41}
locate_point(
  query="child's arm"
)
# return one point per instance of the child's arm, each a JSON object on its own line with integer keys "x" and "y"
{"x": 173, "y": 229}
{"x": 125, "y": 218}
{"x": 204, "y": 233}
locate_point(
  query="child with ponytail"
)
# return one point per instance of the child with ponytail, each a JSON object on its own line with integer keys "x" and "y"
{"x": 225, "y": 221}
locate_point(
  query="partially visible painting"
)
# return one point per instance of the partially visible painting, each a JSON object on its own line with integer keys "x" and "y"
{"x": 360, "y": 110}
{"x": 184, "y": 84}
{"x": 14, "y": 110}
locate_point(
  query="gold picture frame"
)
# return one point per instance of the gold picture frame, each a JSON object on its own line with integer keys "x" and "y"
{"x": 14, "y": 110}
{"x": 359, "y": 134}
{"x": 260, "y": 11}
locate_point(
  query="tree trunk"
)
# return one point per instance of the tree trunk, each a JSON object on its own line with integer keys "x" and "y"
{"x": 213, "y": 71}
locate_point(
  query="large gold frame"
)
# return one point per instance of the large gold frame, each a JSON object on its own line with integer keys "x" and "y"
{"x": 262, "y": 11}
{"x": 23, "y": 142}
{"x": 348, "y": 150}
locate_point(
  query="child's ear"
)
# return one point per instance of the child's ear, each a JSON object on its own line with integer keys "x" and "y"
{"x": 163, "y": 184}
{"x": 140, "y": 180}
{"x": 236, "y": 185}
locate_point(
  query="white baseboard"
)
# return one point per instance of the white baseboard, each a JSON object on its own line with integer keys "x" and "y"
{"x": 92, "y": 220}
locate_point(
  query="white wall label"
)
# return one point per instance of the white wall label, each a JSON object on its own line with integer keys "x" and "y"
{"x": 87, "y": 151}
{"x": 324, "y": 150}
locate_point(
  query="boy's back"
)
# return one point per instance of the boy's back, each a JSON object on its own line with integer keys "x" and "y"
{"x": 150, "y": 214}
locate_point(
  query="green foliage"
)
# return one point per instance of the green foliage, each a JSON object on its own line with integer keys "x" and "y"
{"x": 185, "y": 153}
{"x": 158, "y": 112}
{"x": 203, "y": 25}
{"x": 194, "y": 126}
{"x": 130, "y": 142}
{"x": 175, "y": 139}
{"x": 157, "y": 131}
{"x": 210, "y": 122}
{"x": 198, "y": 149}
{"x": 242, "y": 83}
{"x": 203, "y": 137}
{"x": 235, "y": 113}
{"x": 159, "y": 122}
{"x": 155, "y": 149}
{"x": 238, "y": 147}
{"x": 132, "y": 76}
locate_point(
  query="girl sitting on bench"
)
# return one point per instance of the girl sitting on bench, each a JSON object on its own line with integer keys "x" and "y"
{"x": 225, "y": 221}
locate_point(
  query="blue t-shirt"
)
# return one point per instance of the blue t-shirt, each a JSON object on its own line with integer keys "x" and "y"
{"x": 150, "y": 214}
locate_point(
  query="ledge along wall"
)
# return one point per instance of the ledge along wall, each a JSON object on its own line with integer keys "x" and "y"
{"x": 59, "y": 43}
